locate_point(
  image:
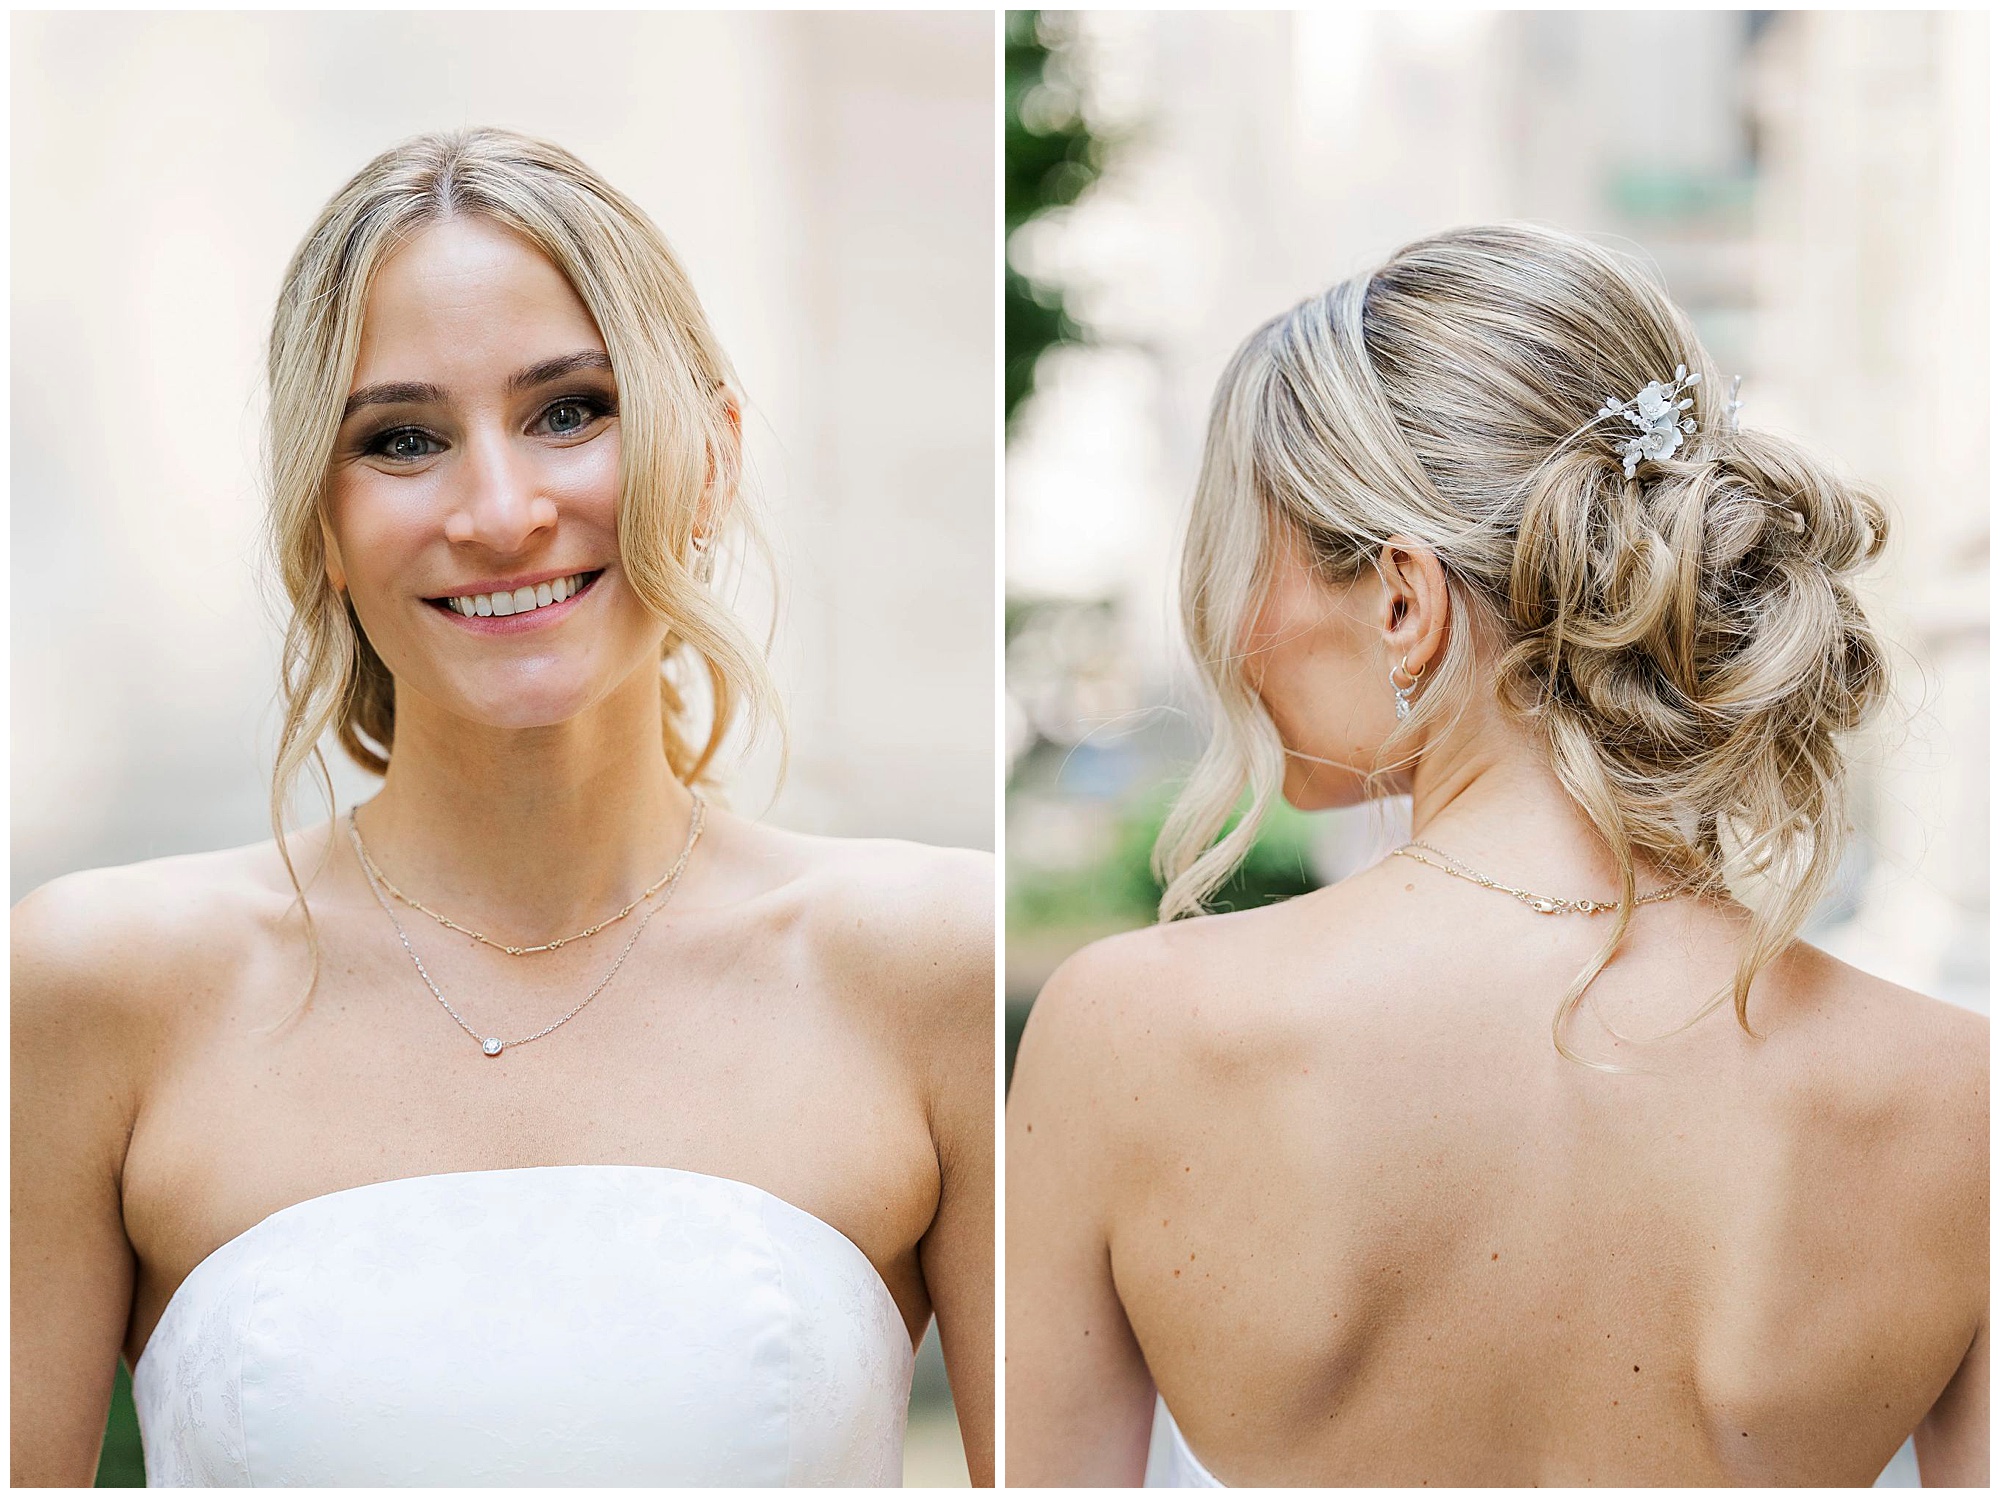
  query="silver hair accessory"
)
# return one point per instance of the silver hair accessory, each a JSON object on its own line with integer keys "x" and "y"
{"x": 1732, "y": 412}
{"x": 1657, "y": 415}
{"x": 1403, "y": 692}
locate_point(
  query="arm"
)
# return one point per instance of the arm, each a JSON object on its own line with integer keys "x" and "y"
{"x": 956, "y": 1252}
{"x": 957, "y": 1255}
{"x": 72, "y": 1265}
{"x": 1952, "y": 1440}
{"x": 1079, "y": 1396}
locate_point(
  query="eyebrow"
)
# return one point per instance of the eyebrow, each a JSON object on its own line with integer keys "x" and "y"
{"x": 416, "y": 393}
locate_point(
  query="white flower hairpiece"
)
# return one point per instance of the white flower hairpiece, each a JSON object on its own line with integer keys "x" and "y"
{"x": 1657, "y": 415}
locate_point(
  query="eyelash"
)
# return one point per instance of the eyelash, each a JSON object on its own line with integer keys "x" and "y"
{"x": 596, "y": 405}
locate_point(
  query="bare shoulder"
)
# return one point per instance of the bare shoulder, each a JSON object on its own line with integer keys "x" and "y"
{"x": 1878, "y": 1037}
{"x": 124, "y": 940}
{"x": 905, "y": 924}
{"x": 922, "y": 909}
{"x": 1900, "y": 1078}
{"x": 1165, "y": 999}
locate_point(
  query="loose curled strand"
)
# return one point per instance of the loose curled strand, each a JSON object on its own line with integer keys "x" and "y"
{"x": 1688, "y": 642}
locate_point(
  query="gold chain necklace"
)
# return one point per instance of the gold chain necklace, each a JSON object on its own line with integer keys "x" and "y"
{"x": 377, "y": 876}
{"x": 1544, "y": 904}
{"x": 493, "y": 1045}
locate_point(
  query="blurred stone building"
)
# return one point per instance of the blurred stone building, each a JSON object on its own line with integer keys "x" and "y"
{"x": 1872, "y": 276}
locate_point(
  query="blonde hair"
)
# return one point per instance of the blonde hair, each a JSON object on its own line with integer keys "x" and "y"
{"x": 1687, "y": 642}
{"x": 674, "y": 389}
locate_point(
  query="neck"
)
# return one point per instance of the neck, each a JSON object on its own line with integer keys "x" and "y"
{"x": 529, "y": 833}
{"x": 1490, "y": 799}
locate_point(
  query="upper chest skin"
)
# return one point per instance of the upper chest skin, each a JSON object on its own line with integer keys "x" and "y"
{"x": 727, "y": 1044}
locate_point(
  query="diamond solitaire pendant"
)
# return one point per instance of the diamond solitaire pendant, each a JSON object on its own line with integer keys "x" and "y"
{"x": 491, "y": 1045}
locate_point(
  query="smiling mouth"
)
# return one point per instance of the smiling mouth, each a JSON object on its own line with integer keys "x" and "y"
{"x": 520, "y": 600}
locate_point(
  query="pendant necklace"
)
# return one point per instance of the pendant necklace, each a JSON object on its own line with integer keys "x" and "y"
{"x": 493, "y": 1045}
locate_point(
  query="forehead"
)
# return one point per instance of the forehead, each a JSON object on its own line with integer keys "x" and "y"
{"x": 467, "y": 298}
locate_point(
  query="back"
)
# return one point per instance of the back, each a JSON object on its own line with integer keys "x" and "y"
{"x": 1368, "y": 1226}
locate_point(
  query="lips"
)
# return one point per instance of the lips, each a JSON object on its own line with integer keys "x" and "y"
{"x": 505, "y": 602}
{"x": 519, "y": 602}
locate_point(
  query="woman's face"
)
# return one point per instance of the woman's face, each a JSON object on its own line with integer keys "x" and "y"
{"x": 1314, "y": 656}
{"x": 472, "y": 497}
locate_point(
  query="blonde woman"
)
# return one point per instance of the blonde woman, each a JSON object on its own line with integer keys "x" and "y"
{"x": 541, "y": 1121}
{"x": 1529, "y": 1155}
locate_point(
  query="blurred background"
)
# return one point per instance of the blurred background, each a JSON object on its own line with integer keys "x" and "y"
{"x": 1812, "y": 187}
{"x": 828, "y": 182}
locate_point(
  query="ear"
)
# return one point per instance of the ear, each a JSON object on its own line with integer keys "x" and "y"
{"x": 725, "y": 464}
{"x": 336, "y": 570}
{"x": 1416, "y": 603}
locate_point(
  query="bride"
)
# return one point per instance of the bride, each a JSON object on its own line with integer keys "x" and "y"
{"x": 540, "y": 1121}
{"x": 1314, "y": 1193}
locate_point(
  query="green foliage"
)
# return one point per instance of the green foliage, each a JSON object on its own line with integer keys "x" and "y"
{"x": 1121, "y": 891}
{"x": 1279, "y": 864}
{"x": 121, "y": 1463}
{"x": 1051, "y": 158}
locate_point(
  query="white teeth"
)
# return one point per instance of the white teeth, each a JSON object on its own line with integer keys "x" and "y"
{"x": 518, "y": 601}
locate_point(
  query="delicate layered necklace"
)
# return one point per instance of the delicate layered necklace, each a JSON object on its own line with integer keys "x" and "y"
{"x": 493, "y": 1045}
{"x": 1544, "y": 904}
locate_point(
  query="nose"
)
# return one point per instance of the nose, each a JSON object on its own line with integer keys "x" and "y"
{"x": 497, "y": 501}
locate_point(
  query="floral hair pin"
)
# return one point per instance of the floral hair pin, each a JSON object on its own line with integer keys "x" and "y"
{"x": 1657, "y": 415}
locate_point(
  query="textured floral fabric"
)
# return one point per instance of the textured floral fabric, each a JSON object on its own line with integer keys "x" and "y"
{"x": 577, "y": 1325}
{"x": 1169, "y": 1462}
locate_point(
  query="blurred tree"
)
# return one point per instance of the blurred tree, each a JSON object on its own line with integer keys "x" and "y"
{"x": 1052, "y": 156}
{"x": 1120, "y": 889}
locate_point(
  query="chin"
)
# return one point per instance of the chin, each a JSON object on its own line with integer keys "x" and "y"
{"x": 539, "y": 699}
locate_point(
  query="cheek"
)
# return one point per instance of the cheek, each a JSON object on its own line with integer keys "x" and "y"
{"x": 584, "y": 481}
{"x": 1308, "y": 664}
{"x": 1274, "y": 632}
{"x": 374, "y": 524}
{"x": 1285, "y": 641}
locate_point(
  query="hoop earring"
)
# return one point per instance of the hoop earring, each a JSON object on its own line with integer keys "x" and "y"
{"x": 704, "y": 559}
{"x": 1403, "y": 692}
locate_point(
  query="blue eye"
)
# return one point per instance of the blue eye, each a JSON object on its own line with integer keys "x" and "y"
{"x": 405, "y": 445}
{"x": 573, "y": 414}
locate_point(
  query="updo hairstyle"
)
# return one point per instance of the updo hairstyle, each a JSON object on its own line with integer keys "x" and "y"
{"x": 1687, "y": 643}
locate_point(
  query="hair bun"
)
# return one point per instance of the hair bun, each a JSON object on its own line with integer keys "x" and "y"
{"x": 1722, "y": 579}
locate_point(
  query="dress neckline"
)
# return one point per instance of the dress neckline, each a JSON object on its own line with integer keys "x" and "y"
{"x": 265, "y": 1222}
{"x": 1183, "y": 1452}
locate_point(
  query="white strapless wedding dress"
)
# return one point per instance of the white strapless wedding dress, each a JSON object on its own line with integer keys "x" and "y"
{"x": 575, "y": 1325}
{"x": 1169, "y": 1461}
